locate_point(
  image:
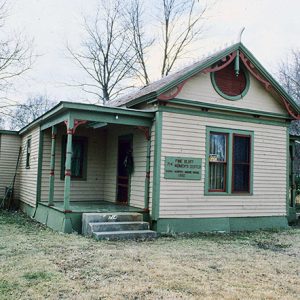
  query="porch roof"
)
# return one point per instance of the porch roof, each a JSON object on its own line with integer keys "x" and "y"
{"x": 93, "y": 113}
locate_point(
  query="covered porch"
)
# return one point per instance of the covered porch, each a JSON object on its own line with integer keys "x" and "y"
{"x": 93, "y": 159}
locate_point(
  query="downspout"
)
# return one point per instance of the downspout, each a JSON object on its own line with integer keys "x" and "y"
{"x": 147, "y": 177}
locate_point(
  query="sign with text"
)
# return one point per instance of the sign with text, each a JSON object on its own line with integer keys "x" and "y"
{"x": 187, "y": 168}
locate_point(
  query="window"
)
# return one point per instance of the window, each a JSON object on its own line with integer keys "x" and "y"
{"x": 79, "y": 157}
{"x": 28, "y": 153}
{"x": 230, "y": 85}
{"x": 229, "y": 159}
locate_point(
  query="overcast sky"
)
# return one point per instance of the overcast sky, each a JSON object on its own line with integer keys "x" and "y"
{"x": 272, "y": 29}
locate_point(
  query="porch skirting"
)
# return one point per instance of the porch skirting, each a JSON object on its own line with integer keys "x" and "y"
{"x": 69, "y": 222}
{"x": 229, "y": 224}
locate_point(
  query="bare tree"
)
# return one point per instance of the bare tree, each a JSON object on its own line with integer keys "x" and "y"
{"x": 181, "y": 25}
{"x": 140, "y": 40}
{"x": 121, "y": 36}
{"x": 25, "y": 113}
{"x": 16, "y": 53}
{"x": 289, "y": 74}
{"x": 106, "y": 55}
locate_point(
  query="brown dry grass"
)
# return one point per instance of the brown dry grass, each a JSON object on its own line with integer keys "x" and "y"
{"x": 37, "y": 263}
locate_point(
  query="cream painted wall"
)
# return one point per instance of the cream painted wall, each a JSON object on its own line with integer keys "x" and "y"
{"x": 199, "y": 88}
{"x": 185, "y": 135}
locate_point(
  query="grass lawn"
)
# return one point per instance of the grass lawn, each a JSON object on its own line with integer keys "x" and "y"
{"x": 37, "y": 263}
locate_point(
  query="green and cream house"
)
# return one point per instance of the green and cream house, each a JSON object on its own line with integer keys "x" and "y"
{"x": 204, "y": 149}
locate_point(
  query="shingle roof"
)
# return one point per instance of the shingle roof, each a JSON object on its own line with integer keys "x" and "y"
{"x": 156, "y": 88}
{"x": 157, "y": 85}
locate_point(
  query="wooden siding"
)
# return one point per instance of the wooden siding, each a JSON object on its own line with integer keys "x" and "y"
{"x": 9, "y": 150}
{"x": 200, "y": 88}
{"x": 139, "y": 155}
{"x": 28, "y": 177}
{"x": 185, "y": 135}
{"x": 90, "y": 189}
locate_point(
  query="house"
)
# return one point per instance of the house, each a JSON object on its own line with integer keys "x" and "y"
{"x": 204, "y": 149}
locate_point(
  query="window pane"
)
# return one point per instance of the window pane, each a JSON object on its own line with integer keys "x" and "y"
{"x": 217, "y": 151}
{"x": 241, "y": 178}
{"x": 77, "y": 159}
{"x": 217, "y": 176}
{"x": 241, "y": 149}
{"x": 241, "y": 163}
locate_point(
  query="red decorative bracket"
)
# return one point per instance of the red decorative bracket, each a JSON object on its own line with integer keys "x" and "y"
{"x": 68, "y": 172}
{"x": 145, "y": 131}
{"x": 251, "y": 69}
{"x": 166, "y": 96}
{"x": 76, "y": 124}
{"x": 226, "y": 61}
{"x": 268, "y": 85}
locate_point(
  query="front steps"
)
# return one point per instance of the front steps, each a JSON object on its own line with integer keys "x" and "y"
{"x": 116, "y": 226}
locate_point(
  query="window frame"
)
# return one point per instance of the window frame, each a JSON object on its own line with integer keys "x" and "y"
{"x": 84, "y": 141}
{"x": 28, "y": 153}
{"x": 230, "y": 159}
{"x": 223, "y": 163}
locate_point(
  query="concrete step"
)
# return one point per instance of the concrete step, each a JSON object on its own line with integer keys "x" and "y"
{"x": 125, "y": 235}
{"x": 118, "y": 226}
{"x": 108, "y": 217}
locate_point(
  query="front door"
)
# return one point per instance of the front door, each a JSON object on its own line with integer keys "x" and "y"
{"x": 123, "y": 175}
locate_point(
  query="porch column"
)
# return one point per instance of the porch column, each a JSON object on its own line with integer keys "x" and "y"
{"x": 52, "y": 167}
{"x": 67, "y": 190}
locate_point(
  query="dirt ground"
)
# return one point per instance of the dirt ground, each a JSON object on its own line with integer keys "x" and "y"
{"x": 37, "y": 263}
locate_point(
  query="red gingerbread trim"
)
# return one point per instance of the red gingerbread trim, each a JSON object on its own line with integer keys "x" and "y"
{"x": 76, "y": 124}
{"x": 51, "y": 172}
{"x": 68, "y": 173}
{"x": 268, "y": 85}
{"x": 224, "y": 65}
{"x": 145, "y": 131}
{"x": 251, "y": 69}
{"x": 164, "y": 97}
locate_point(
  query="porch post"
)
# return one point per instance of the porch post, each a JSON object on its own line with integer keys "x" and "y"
{"x": 52, "y": 167}
{"x": 67, "y": 192}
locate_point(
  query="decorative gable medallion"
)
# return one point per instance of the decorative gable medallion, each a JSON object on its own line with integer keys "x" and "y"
{"x": 230, "y": 83}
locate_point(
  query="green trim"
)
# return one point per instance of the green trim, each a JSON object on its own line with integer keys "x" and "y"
{"x": 64, "y": 107}
{"x": 27, "y": 209}
{"x": 227, "y": 224}
{"x": 228, "y": 187}
{"x": 9, "y": 132}
{"x": 113, "y": 118}
{"x": 231, "y": 98}
{"x": 55, "y": 121}
{"x": 198, "y": 104}
{"x": 217, "y": 115}
{"x": 40, "y": 166}
{"x": 58, "y": 221}
{"x": 157, "y": 166}
{"x": 288, "y": 164}
{"x": 52, "y": 166}
{"x": 147, "y": 177}
{"x": 67, "y": 185}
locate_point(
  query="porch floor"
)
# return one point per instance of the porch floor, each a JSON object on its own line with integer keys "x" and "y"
{"x": 95, "y": 206}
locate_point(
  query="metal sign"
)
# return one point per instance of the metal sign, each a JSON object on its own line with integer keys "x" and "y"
{"x": 186, "y": 168}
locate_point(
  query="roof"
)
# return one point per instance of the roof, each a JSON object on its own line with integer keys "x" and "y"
{"x": 8, "y": 132}
{"x": 65, "y": 106}
{"x": 153, "y": 90}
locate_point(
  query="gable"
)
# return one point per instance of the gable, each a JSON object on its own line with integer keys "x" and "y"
{"x": 200, "y": 88}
